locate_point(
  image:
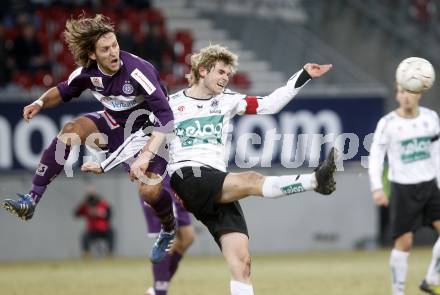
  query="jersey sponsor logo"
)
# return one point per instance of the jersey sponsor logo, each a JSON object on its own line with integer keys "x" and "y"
{"x": 97, "y": 82}
{"x": 127, "y": 88}
{"x": 415, "y": 149}
{"x": 143, "y": 81}
{"x": 293, "y": 188}
{"x": 203, "y": 130}
{"x": 118, "y": 102}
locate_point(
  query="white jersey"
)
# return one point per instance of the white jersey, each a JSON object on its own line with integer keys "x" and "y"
{"x": 202, "y": 126}
{"x": 411, "y": 146}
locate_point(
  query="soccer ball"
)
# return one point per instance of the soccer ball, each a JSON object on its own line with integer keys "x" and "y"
{"x": 415, "y": 74}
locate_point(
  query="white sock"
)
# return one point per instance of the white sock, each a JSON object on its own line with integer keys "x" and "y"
{"x": 239, "y": 288}
{"x": 399, "y": 267}
{"x": 434, "y": 267}
{"x": 285, "y": 185}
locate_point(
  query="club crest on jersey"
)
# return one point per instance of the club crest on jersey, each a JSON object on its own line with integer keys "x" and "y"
{"x": 214, "y": 107}
{"x": 181, "y": 108}
{"x": 127, "y": 88}
{"x": 425, "y": 124}
{"x": 214, "y": 103}
{"x": 97, "y": 82}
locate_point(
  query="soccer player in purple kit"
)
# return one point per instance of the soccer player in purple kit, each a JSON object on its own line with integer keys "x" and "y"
{"x": 129, "y": 90}
{"x": 164, "y": 271}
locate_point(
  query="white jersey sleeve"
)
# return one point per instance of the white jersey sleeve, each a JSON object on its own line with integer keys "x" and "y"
{"x": 275, "y": 101}
{"x": 436, "y": 148}
{"x": 377, "y": 154}
{"x": 127, "y": 151}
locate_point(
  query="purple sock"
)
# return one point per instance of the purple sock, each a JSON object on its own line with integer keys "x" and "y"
{"x": 164, "y": 210}
{"x": 174, "y": 264}
{"x": 51, "y": 163}
{"x": 162, "y": 276}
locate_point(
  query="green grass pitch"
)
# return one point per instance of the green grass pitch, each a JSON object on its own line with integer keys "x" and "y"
{"x": 330, "y": 273}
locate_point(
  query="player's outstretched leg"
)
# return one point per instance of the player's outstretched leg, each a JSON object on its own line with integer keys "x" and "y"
{"x": 325, "y": 173}
{"x": 24, "y": 207}
{"x": 50, "y": 166}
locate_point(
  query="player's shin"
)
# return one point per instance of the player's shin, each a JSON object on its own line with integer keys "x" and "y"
{"x": 285, "y": 185}
{"x": 163, "y": 208}
{"x": 162, "y": 276}
{"x": 51, "y": 164}
{"x": 399, "y": 267}
{"x": 432, "y": 276}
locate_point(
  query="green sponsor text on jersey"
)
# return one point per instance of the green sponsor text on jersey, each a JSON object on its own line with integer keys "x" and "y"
{"x": 415, "y": 149}
{"x": 200, "y": 130}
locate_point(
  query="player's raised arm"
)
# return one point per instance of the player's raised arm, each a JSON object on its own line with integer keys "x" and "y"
{"x": 280, "y": 97}
{"x": 49, "y": 99}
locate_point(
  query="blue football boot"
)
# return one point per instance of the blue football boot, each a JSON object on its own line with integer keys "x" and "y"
{"x": 24, "y": 207}
{"x": 162, "y": 246}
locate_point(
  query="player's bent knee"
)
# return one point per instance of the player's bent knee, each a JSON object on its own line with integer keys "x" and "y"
{"x": 252, "y": 176}
{"x": 71, "y": 133}
{"x": 187, "y": 239}
{"x": 149, "y": 193}
{"x": 404, "y": 243}
{"x": 249, "y": 180}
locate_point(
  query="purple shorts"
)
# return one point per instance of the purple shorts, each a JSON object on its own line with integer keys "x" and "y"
{"x": 182, "y": 216}
{"x": 115, "y": 135}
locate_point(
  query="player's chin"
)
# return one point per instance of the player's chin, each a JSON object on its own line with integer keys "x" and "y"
{"x": 115, "y": 68}
{"x": 219, "y": 89}
{"x": 115, "y": 65}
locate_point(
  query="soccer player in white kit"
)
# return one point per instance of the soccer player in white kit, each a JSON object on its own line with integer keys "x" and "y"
{"x": 409, "y": 137}
{"x": 197, "y": 163}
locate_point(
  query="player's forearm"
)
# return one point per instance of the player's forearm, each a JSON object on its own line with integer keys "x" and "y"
{"x": 375, "y": 166}
{"x": 154, "y": 143}
{"x": 51, "y": 98}
{"x": 278, "y": 99}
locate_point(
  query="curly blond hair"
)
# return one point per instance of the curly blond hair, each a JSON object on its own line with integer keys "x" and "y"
{"x": 81, "y": 35}
{"x": 207, "y": 58}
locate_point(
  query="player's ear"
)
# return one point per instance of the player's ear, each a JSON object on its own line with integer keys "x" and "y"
{"x": 202, "y": 72}
{"x": 92, "y": 56}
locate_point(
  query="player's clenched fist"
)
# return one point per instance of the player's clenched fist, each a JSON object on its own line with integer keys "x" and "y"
{"x": 30, "y": 111}
{"x": 315, "y": 70}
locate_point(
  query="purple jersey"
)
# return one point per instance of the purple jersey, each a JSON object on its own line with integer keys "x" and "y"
{"x": 136, "y": 86}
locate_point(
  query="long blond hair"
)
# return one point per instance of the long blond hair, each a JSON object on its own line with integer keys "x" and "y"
{"x": 81, "y": 35}
{"x": 207, "y": 58}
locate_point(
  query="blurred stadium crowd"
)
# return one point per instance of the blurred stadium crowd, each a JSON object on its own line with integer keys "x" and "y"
{"x": 33, "y": 52}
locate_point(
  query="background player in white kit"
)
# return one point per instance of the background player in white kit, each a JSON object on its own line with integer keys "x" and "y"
{"x": 408, "y": 136}
{"x": 197, "y": 166}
